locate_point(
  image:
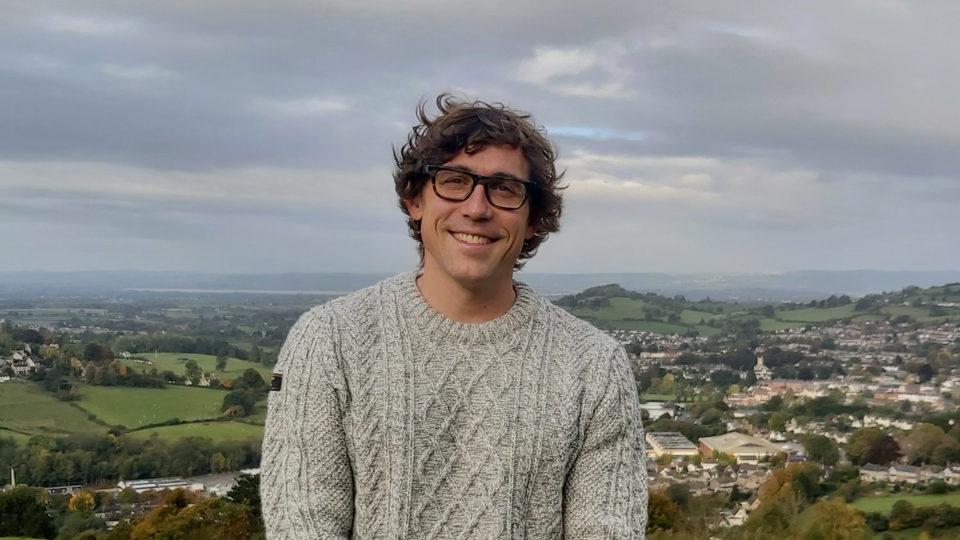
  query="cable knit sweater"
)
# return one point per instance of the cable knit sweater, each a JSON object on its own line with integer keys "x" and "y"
{"x": 394, "y": 421}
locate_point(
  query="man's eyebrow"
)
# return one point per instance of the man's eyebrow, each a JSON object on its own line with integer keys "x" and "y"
{"x": 464, "y": 168}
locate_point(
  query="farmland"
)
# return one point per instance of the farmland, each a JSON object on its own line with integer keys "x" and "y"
{"x": 136, "y": 407}
{"x": 884, "y": 504}
{"x": 26, "y": 408}
{"x": 218, "y": 431}
{"x": 176, "y": 363}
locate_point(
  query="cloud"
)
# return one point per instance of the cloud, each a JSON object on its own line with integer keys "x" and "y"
{"x": 136, "y": 73}
{"x": 695, "y": 137}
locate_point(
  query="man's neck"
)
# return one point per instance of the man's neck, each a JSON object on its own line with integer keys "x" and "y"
{"x": 474, "y": 304}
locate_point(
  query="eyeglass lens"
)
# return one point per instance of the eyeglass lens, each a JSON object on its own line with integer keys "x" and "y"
{"x": 503, "y": 192}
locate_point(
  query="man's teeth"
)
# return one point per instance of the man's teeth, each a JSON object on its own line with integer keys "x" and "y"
{"x": 472, "y": 238}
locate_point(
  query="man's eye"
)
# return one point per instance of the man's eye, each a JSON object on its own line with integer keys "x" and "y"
{"x": 456, "y": 180}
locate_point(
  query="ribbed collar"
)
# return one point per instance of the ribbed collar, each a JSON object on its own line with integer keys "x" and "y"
{"x": 434, "y": 324}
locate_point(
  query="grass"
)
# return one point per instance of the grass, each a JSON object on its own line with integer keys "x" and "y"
{"x": 884, "y": 503}
{"x": 218, "y": 431}
{"x": 913, "y": 534}
{"x": 918, "y": 314}
{"x": 19, "y": 438}
{"x": 136, "y": 407}
{"x": 27, "y": 408}
{"x": 815, "y": 314}
{"x": 171, "y": 361}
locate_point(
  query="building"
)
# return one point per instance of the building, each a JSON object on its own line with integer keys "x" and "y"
{"x": 159, "y": 484}
{"x": 746, "y": 448}
{"x": 874, "y": 473}
{"x": 670, "y": 442}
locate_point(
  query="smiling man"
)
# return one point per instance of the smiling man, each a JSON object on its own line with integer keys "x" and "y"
{"x": 453, "y": 401}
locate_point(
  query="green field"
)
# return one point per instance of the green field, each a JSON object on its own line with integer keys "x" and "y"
{"x": 135, "y": 407}
{"x": 884, "y": 504}
{"x": 913, "y": 534}
{"x": 918, "y": 313}
{"x": 171, "y": 361}
{"x": 815, "y": 314}
{"x": 28, "y": 408}
{"x": 218, "y": 431}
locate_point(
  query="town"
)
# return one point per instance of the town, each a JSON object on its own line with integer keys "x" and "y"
{"x": 759, "y": 418}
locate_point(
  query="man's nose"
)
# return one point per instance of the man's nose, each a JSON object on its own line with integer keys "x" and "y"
{"x": 477, "y": 206}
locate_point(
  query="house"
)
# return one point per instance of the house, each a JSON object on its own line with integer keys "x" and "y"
{"x": 905, "y": 473}
{"x": 874, "y": 473}
{"x": 951, "y": 474}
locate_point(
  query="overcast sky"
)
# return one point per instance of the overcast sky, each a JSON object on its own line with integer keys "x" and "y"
{"x": 701, "y": 136}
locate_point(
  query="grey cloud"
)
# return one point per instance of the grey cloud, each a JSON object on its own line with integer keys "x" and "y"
{"x": 858, "y": 96}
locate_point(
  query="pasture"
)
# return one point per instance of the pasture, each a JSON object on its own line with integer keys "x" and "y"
{"x": 27, "y": 408}
{"x": 816, "y": 314}
{"x": 884, "y": 503}
{"x": 171, "y": 361}
{"x": 217, "y": 431}
{"x": 136, "y": 407}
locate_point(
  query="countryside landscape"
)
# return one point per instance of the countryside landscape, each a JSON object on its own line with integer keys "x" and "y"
{"x": 846, "y": 402}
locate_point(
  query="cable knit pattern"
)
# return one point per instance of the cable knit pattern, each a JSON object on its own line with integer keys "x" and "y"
{"x": 394, "y": 421}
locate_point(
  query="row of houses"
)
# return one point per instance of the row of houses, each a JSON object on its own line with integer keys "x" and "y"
{"x": 910, "y": 474}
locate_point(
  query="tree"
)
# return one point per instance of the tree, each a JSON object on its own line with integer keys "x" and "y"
{"x": 247, "y": 492}
{"x": 77, "y": 523}
{"x": 81, "y": 501}
{"x": 183, "y": 515}
{"x": 923, "y": 440}
{"x": 242, "y": 399}
{"x": 22, "y": 513}
{"x": 925, "y": 372}
{"x": 193, "y": 372}
{"x": 821, "y": 449}
{"x": 680, "y": 495}
{"x": 251, "y": 378}
{"x": 835, "y": 520}
{"x": 871, "y": 445}
{"x": 222, "y": 363}
{"x": 902, "y": 515}
{"x": 662, "y": 513}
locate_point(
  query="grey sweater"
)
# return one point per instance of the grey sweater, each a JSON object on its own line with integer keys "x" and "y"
{"x": 394, "y": 421}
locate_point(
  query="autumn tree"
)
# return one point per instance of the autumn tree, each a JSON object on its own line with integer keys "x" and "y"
{"x": 662, "y": 513}
{"x": 833, "y": 519}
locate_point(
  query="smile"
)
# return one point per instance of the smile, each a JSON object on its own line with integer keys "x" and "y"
{"x": 472, "y": 238}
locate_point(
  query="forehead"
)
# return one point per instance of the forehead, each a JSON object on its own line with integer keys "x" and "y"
{"x": 493, "y": 159}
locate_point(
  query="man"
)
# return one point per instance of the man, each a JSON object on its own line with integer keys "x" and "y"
{"x": 453, "y": 402}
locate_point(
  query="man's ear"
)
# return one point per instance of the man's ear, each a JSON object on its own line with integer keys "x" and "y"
{"x": 531, "y": 231}
{"x": 413, "y": 206}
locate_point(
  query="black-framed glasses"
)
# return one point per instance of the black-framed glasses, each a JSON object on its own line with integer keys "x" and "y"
{"x": 501, "y": 190}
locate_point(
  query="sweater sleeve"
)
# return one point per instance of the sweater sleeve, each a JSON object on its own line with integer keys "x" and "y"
{"x": 605, "y": 493}
{"x": 306, "y": 483}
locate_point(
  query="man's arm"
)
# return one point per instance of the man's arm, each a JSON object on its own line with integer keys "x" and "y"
{"x": 306, "y": 482}
{"x": 605, "y": 494}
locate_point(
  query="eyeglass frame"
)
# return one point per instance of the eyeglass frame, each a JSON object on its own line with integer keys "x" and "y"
{"x": 479, "y": 179}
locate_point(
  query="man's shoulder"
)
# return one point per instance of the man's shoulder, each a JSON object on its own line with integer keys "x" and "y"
{"x": 360, "y": 302}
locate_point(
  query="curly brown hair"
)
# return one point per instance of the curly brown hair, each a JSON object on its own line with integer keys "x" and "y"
{"x": 471, "y": 127}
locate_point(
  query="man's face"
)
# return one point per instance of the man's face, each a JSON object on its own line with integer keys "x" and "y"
{"x": 473, "y": 242}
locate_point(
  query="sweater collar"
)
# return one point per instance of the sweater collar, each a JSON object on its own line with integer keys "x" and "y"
{"x": 430, "y": 322}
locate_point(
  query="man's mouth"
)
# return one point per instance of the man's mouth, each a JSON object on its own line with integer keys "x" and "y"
{"x": 474, "y": 239}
